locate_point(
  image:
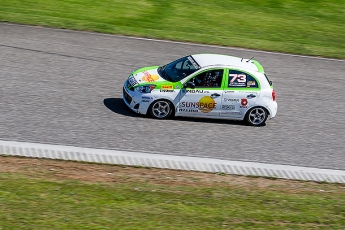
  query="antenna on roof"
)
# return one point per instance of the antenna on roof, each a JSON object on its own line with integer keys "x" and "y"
{"x": 250, "y": 59}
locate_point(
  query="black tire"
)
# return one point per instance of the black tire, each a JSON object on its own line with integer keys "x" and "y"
{"x": 256, "y": 116}
{"x": 161, "y": 109}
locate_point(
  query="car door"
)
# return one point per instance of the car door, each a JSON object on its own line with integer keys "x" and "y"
{"x": 241, "y": 91}
{"x": 202, "y": 94}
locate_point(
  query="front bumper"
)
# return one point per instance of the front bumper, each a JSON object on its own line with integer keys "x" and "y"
{"x": 136, "y": 101}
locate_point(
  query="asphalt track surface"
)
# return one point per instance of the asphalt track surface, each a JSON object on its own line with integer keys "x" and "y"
{"x": 64, "y": 87}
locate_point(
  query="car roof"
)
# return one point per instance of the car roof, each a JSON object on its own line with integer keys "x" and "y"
{"x": 205, "y": 60}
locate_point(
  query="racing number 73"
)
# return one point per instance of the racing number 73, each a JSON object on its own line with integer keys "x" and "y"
{"x": 238, "y": 77}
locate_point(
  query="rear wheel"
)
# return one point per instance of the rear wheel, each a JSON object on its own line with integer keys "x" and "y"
{"x": 256, "y": 116}
{"x": 161, "y": 109}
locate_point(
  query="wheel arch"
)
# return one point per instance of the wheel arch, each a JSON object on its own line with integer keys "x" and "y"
{"x": 162, "y": 99}
{"x": 245, "y": 117}
{"x": 256, "y": 106}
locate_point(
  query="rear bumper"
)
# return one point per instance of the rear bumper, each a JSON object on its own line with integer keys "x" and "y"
{"x": 272, "y": 109}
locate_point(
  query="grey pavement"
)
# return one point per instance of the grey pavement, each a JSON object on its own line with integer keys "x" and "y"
{"x": 64, "y": 88}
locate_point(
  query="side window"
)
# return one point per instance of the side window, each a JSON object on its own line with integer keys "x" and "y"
{"x": 211, "y": 78}
{"x": 239, "y": 79}
{"x": 186, "y": 65}
{"x": 179, "y": 65}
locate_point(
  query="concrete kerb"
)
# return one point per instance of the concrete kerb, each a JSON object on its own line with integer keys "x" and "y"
{"x": 35, "y": 150}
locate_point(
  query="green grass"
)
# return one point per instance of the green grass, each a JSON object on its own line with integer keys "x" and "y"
{"x": 311, "y": 27}
{"x": 46, "y": 202}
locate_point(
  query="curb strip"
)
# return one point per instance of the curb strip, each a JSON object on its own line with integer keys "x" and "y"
{"x": 170, "y": 162}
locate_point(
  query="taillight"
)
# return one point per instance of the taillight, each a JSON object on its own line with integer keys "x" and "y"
{"x": 273, "y": 95}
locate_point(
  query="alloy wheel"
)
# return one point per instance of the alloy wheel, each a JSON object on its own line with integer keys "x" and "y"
{"x": 257, "y": 116}
{"x": 161, "y": 109}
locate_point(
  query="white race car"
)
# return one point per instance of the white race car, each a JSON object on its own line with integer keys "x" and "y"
{"x": 203, "y": 85}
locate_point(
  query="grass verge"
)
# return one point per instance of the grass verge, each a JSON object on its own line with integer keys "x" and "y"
{"x": 292, "y": 26}
{"x": 48, "y": 194}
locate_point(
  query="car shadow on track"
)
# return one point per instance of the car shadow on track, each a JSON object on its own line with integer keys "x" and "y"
{"x": 214, "y": 121}
{"x": 118, "y": 106}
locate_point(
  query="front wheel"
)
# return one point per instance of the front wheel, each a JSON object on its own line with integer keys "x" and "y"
{"x": 160, "y": 109}
{"x": 256, "y": 116}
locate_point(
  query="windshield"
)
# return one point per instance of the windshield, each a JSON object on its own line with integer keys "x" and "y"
{"x": 179, "y": 69}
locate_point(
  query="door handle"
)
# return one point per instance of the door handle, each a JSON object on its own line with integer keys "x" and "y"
{"x": 215, "y": 95}
{"x": 251, "y": 96}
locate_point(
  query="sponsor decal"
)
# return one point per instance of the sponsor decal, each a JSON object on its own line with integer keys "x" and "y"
{"x": 234, "y": 84}
{"x": 244, "y": 101}
{"x": 167, "y": 86}
{"x": 189, "y": 110}
{"x": 249, "y": 83}
{"x": 228, "y": 107}
{"x": 205, "y": 104}
{"x": 132, "y": 81}
{"x": 195, "y": 91}
{"x": 145, "y": 100}
{"x": 148, "y": 77}
{"x": 231, "y": 100}
{"x": 177, "y": 87}
{"x": 167, "y": 90}
{"x": 229, "y": 91}
{"x": 196, "y": 66}
{"x": 228, "y": 112}
{"x": 237, "y": 80}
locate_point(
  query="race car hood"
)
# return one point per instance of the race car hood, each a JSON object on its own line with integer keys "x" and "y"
{"x": 146, "y": 75}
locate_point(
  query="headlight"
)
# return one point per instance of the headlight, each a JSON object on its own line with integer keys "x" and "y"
{"x": 145, "y": 88}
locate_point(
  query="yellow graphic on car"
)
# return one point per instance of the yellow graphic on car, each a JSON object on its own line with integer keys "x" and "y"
{"x": 167, "y": 87}
{"x": 207, "y": 104}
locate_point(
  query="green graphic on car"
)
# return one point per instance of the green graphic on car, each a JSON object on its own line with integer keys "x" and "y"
{"x": 203, "y": 85}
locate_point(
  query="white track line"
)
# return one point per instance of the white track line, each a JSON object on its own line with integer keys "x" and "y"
{"x": 169, "y": 162}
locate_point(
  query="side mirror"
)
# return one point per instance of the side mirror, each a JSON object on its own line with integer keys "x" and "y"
{"x": 189, "y": 85}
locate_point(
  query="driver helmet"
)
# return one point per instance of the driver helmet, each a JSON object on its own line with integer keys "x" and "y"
{"x": 211, "y": 80}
